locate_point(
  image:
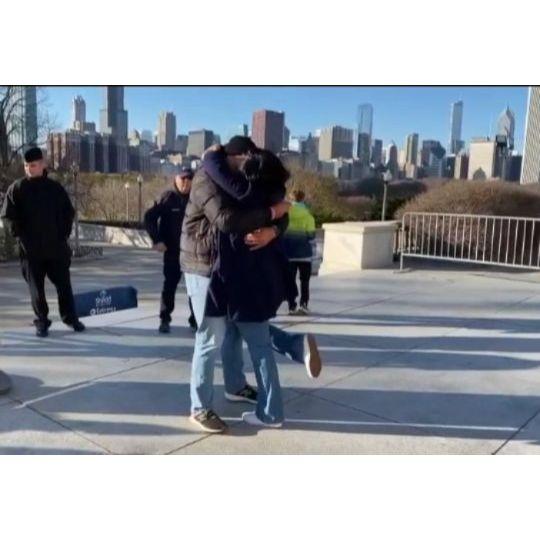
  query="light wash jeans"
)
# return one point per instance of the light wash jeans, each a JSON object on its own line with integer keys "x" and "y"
{"x": 208, "y": 340}
{"x": 258, "y": 339}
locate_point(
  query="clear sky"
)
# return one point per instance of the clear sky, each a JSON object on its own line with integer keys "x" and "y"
{"x": 397, "y": 110}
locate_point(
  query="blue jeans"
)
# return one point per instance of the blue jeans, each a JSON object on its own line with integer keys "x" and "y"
{"x": 288, "y": 344}
{"x": 208, "y": 340}
{"x": 257, "y": 335}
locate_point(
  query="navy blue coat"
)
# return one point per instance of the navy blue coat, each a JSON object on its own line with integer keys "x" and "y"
{"x": 246, "y": 285}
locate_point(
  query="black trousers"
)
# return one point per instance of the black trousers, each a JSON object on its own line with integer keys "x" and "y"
{"x": 304, "y": 269}
{"x": 172, "y": 275}
{"x": 57, "y": 270}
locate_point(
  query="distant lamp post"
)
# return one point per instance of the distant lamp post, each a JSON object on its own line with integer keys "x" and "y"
{"x": 140, "y": 180}
{"x": 387, "y": 176}
{"x": 126, "y": 187}
{"x": 75, "y": 174}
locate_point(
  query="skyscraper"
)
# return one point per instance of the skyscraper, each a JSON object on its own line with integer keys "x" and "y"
{"x": 199, "y": 141}
{"x": 335, "y": 142}
{"x": 376, "y": 152}
{"x": 114, "y": 122}
{"x": 456, "y": 120}
{"x": 506, "y": 125}
{"x": 392, "y": 159}
{"x": 364, "y": 126}
{"x": 114, "y": 118}
{"x": 267, "y": 129}
{"x": 365, "y": 118}
{"x": 530, "y": 170}
{"x": 79, "y": 113}
{"x": 482, "y": 159}
{"x": 411, "y": 149}
{"x": 240, "y": 129}
{"x": 363, "y": 150}
{"x": 166, "y": 131}
{"x": 22, "y": 122}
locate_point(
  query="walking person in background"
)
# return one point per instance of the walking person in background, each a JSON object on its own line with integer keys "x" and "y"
{"x": 298, "y": 242}
{"x": 163, "y": 222}
{"x": 39, "y": 213}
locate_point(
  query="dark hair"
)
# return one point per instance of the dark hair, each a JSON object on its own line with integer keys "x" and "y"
{"x": 298, "y": 195}
{"x": 265, "y": 166}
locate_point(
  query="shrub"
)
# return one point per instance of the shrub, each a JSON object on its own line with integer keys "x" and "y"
{"x": 323, "y": 198}
{"x": 494, "y": 198}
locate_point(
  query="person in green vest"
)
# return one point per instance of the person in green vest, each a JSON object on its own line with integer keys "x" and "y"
{"x": 298, "y": 243}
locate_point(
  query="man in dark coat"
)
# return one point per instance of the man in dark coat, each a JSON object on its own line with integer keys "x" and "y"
{"x": 163, "y": 223}
{"x": 40, "y": 215}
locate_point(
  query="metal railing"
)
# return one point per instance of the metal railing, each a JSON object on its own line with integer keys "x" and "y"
{"x": 495, "y": 240}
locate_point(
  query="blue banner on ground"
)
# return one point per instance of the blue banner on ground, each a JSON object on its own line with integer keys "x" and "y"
{"x": 105, "y": 301}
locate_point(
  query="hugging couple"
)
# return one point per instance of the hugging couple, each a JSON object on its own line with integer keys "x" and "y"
{"x": 236, "y": 276}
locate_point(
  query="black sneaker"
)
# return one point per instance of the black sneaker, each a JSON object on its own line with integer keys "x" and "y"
{"x": 42, "y": 331}
{"x": 246, "y": 395}
{"x": 208, "y": 421}
{"x": 78, "y": 326}
{"x": 164, "y": 327}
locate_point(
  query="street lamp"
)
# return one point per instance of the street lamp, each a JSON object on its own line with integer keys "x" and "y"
{"x": 387, "y": 176}
{"x": 140, "y": 180}
{"x": 126, "y": 187}
{"x": 75, "y": 173}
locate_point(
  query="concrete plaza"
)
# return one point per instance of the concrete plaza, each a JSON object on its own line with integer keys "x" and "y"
{"x": 433, "y": 360}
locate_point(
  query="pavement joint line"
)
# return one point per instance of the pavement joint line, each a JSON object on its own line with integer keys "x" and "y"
{"x": 89, "y": 382}
{"x": 63, "y": 426}
{"x": 517, "y": 432}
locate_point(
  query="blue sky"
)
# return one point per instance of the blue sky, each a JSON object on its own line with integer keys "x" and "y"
{"x": 397, "y": 110}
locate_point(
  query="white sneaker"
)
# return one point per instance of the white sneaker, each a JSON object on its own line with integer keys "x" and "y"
{"x": 251, "y": 418}
{"x": 303, "y": 310}
{"x": 312, "y": 357}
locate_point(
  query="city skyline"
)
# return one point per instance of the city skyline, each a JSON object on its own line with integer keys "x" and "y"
{"x": 397, "y": 111}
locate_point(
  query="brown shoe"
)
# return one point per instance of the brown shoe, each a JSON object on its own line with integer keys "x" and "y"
{"x": 208, "y": 421}
{"x": 312, "y": 357}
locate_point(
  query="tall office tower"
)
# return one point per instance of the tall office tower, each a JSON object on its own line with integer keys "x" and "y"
{"x": 147, "y": 135}
{"x": 199, "y": 141}
{"x": 114, "y": 122}
{"x": 461, "y": 166}
{"x": 456, "y": 121}
{"x": 376, "y": 152}
{"x": 181, "y": 143}
{"x": 482, "y": 159}
{"x": 363, "y": 150}
{"x": 79, "y": 113}
{"x": 364, "y": 125}
{"x": 335, "y": 142}
{"x": 411, "y": 149}
{"x": 530, "y": 169}
{"x": 506, "y": 126}
{"x": 267, "y": 129}
{"x": 365, "y": 118}
{"x": 22, "y": 122}
{"x": 166, "y": 131}
{"x": 114, "y": 118}
{"x": 392, "y": 159}
{"x": 432, "y": 158}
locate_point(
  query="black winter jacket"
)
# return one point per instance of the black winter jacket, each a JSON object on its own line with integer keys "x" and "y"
{"x": 163, "y": 221}
{"x": 40, "y": 215}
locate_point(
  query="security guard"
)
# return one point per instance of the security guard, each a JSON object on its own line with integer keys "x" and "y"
{"x": 40, "y": 215}
{"x": 164, "y": 225}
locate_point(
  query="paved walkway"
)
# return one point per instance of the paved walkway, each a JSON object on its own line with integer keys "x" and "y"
{"x": 428, "y": 361}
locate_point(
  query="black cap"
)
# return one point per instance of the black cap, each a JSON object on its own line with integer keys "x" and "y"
{"x": 33, "y": 154}
{"x": 186, "y": 172}
{"x": 240, "y": 145}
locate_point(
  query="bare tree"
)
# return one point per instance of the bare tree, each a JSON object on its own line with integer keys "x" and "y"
{"x": 10, "y": 120}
